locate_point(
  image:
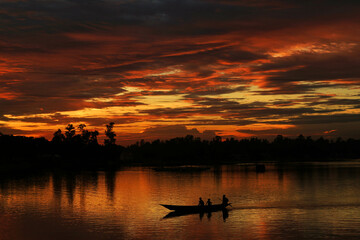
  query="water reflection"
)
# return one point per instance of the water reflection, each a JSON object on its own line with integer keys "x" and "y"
{"x": 70, "y": 184}
{"x": 288, "y": 201}
{"x": 110, "y": 179}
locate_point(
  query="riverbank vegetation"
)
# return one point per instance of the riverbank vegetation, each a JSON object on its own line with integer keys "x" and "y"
{"x": 78, "y": 148}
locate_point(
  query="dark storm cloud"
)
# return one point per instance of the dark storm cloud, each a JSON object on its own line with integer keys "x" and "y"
{"x": 198, "y": 59}
{"x": 185, "y": 17}
{"x": 60, "y": 119}
{"x": 54, "y": 85}
{"x": 271, "y": 113}
{"x": 287, "y": 87}
{"x": 319, "y": 101}
{"x": 35, "y": 104}
{"x": 342, "y": 66}
{"x": 325, "y": 119}
{"x": 254, "y": 109}
{"x": 170, "y": 112}
{"x": 235, "y": 122}
{"x": 232, "y": 111}
{"x": 335, "y": 101}
{"x": 158, "y": 93}
{"x": 214, "y": 91}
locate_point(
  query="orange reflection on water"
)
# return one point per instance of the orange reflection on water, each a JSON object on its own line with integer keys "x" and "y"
{"x": 126, "y": 203}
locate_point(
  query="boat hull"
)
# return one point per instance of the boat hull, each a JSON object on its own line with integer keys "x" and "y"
{"x": 195, "y": 209}
{"x": 174, "y": 214}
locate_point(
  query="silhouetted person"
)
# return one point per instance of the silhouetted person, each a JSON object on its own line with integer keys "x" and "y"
{"x": 225, "y": 200}
{"x": 201, "y": 202}
{"x": 209, "y": 203}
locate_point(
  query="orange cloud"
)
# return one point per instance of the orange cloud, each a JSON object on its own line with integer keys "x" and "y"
{"x": 218, "y": 66}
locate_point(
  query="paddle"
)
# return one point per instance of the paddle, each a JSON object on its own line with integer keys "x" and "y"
{"x": 229, "y": 204}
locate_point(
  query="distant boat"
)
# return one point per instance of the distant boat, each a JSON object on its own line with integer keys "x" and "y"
{"x": 195, "y": 209}
{"x": 180, "y": 169}
{"x": 260, "y": 168}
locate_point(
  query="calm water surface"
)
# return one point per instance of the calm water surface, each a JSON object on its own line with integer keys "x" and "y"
{"x": 292, "y": 201}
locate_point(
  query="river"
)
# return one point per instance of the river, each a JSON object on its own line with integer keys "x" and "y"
{"x": 311, "y": 200}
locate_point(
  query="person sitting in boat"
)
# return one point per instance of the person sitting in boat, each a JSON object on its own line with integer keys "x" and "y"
{"x": 209, "y": 203}
{"x": 201, "y": 202}
{"x": 225, "y": 200}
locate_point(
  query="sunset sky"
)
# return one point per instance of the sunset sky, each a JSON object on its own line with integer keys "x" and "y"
{"x": 167, "y": 68}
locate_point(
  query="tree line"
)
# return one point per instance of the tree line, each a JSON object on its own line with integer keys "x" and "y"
{"x": 78, "y": 147}
{"x": 189, "y": 150}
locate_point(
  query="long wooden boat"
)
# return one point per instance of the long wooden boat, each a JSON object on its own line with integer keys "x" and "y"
{"x": 195, "y": 209}
{"x": 173, "y": 214}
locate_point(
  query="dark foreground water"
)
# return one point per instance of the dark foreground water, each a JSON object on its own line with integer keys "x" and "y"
{"x": 292, "y": 201}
